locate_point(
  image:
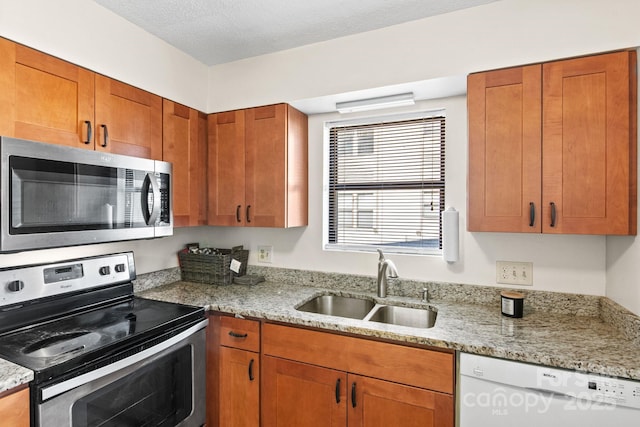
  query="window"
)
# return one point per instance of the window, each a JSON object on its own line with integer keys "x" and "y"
{"x": 385, "y": 184}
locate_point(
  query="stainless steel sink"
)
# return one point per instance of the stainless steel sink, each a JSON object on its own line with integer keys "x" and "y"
{"x": 337, "y": 305}
{"x": 405, "y": 316}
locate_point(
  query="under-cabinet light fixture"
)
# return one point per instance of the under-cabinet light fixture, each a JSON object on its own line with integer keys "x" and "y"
{"x": 375, "y": 103}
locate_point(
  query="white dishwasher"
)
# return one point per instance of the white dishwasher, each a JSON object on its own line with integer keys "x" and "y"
{"x": 496, "y": 393}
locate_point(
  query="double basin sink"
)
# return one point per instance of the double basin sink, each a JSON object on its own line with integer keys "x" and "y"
{"x": 366, "y": 309}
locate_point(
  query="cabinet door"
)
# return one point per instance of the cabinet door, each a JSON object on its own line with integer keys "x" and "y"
{"x": 226, "y": 168}
{"x": 266, "y": 162}
{"x": 381, "y": 403}
{"x": 297, "y": 394}
{"x": 14, "y": 409}
{"x": 45, "y": 99}
{"x": 128, "y": 120}
{"x": 504, "y": 108}
{"x": 239, "y": 388}
{"x": 589, "y": 145}
{"x": 182, "y": 146}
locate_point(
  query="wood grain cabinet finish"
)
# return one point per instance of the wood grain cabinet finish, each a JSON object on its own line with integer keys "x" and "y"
{"x": 128, "y": 119}
{"x": 14, "y": 408}
{"x": 552, "y": 147}
{"x": 233, "y": 372}
{"x": 184, "y": 144}
{"x": 45, "y": 99}
{"x": 318, "y": 378}
{"x": 258, "y": 167}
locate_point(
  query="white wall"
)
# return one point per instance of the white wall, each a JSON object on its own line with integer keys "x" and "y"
{"x": 85, "y": 33}
{"x": 500, "y": 34}
{"x": 561, "y": 263}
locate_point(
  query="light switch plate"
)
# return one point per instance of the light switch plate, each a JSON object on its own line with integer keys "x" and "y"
{"x": 514, "y": 273}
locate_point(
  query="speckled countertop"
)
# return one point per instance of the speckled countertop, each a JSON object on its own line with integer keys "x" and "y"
{"x": 12, "y": 375}
{"x": 571, "y": 341}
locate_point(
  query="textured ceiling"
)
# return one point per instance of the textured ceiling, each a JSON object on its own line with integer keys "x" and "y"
{"x": 219, "y": 31}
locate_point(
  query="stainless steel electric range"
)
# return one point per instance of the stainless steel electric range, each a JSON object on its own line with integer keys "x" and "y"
{"x": 100, "y": 355}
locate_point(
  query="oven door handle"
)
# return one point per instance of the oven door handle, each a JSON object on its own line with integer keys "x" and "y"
{"x": 64, "y": 386}
{"x": 150, "y": 183}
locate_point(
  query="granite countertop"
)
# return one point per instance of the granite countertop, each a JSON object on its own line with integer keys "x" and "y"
{"x": 572, "y": 341}
{"x": 12, "y": 375}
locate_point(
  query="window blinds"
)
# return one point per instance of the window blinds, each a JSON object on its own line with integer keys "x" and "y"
{"x": 386, "y": 185}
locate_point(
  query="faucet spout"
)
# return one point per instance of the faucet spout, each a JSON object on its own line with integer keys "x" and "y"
{"x": 386, "y": 268}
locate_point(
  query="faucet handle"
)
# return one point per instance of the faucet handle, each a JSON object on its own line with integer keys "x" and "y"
{"x": 381, "y": 258}
{"x": 425, "y": 295}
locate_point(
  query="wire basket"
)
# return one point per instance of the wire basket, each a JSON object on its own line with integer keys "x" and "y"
{"x": 212, "y": 266}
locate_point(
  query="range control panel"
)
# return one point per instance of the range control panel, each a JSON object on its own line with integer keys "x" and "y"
{"x": 21, "y": 284}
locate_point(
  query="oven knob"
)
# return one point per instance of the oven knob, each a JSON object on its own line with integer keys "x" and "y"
{"x": 104, "y": 271}
{"x": 119, "y": 268}
{"x": 15, "y": 286}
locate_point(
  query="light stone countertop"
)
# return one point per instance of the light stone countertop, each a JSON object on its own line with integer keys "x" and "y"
{"x": 576, "y": 342}
{"x": 12, "y": 375}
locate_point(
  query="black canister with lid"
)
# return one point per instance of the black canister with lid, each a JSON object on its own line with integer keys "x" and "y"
{"x": 512, "y": 303}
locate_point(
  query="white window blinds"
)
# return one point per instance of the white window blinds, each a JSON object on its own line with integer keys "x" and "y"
{"x": 386, "y": 185}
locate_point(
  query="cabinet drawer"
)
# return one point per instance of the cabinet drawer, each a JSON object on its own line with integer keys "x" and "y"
{"x": 240, "y": 333}
{"x": 418, "y": 367}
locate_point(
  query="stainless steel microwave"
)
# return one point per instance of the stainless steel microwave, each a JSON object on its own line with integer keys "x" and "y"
{"x": 54, "y": 196}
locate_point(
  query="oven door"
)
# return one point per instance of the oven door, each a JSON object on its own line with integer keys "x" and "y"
{"x": 161, "y": 386}
{"x": 61, "y": 196}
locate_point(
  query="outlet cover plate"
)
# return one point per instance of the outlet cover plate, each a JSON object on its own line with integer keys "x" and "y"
{"x": 514, "y": 273}
{"x": 265, "y": 253}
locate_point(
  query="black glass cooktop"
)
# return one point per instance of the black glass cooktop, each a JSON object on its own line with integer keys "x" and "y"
{"x": 64, "y": 344}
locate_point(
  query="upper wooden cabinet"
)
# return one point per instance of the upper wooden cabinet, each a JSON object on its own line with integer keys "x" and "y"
{"x": 45, "y": 99}
{"x": 552, "y": 147}
{"x": 128, "y": 120}
{"x": 185, "y": 145}
{"x": 258, "y": 167}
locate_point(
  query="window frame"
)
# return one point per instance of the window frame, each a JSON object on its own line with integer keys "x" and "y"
{"x": 328, "y": 125}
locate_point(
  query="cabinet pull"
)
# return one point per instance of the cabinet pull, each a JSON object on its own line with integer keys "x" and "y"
{"x": 248, "y": 217}
{"x": 237, "y": 335}
{"x": 338, "y": 391}
{"x": 553, "y": 214}
{"x": 353, "y": 395}
{"x": 238, "y": 219}
{"x": 89, "y": 131}
{"x": 532, "y": 214}
{"x": 105, "y": 135}
{"x": 251, "y": 377}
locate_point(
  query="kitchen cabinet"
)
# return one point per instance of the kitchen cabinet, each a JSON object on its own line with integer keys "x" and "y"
{"x": 236, "y": 360}
{"x": 184, "y": 143}
{"x": 45, "y": 99}
{"x": 14, "y": 408}
{"x": 552, "y": 147}
{"x": 329, "y": 379}
{"x": 258, "y": 167}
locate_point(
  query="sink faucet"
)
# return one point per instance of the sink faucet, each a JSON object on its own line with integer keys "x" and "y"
{"x": 385, "y": 266}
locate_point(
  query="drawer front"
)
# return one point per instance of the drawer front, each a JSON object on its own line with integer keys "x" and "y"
{"x": 418, "y": 367}
{"x": 240, "y": 333}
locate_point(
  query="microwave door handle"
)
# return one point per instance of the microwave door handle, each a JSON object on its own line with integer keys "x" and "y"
{"x": 150, "y": 216}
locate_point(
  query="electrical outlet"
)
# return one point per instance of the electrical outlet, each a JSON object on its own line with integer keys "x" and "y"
{"x": 514, "y": 273}
{"x": 265, "y": 253}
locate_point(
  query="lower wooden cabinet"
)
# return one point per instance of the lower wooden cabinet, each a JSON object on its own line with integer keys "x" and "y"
{"x": 233, "y": 372}
{"x": 315, "y": 378}
{"x": 14, "y": 408}
{"x": 239, "y": 388}
{"x": 270, "y": 375}
{"x": 299, "y": 394}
